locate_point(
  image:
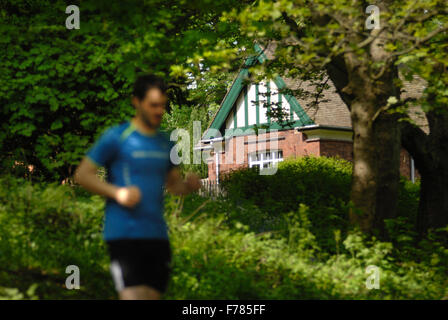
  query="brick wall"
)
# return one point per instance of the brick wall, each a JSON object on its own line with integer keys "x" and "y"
{"x": 342, "y": 149}
{"x": 293, "y": 144}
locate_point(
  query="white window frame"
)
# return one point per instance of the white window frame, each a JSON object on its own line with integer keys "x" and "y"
{"x": 274, "y": 157}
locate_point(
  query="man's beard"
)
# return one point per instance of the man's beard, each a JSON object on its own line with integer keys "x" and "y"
{"x": 147, "y": 121}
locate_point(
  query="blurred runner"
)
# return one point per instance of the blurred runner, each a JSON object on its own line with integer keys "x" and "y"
{"x": 136, "y": 156}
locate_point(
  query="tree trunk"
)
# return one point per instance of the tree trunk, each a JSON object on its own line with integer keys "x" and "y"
{"x": 365, "y": 81}
{"x": 363, "y": 191}
{"x": 430, "y": 152}
{"x": 376, "y": 150}
{"x": 433, "y": 206}
{"x": 387, "y": 147}
{"x": 376, "y": 142}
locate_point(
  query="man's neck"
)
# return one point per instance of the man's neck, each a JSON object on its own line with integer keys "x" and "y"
{"x": 142, "y": 126}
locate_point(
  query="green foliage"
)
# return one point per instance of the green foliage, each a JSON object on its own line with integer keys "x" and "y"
{"x": 309, "y": 180}
{"x": 45, "y": 227}
{"x": 60, "y": 88}
{"x": 323, "y": 184}
{"x": 209, "y": 253}
{"x": 206, "y": 96}
{"x": 15, "y": 294}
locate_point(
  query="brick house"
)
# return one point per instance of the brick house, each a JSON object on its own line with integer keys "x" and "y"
{"x": 322, "y": 129}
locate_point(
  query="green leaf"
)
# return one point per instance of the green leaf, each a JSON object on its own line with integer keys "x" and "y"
{"x": 56, "y": 125}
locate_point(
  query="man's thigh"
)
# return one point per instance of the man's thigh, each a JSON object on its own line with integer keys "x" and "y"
{"x": 140, "y": 268}
{"x": 141, "y": 292}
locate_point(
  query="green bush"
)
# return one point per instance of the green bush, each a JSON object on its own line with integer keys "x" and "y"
{"x": 46, "y": 227}
{"x": 215, "y": 260}
{"x": 15, "y": 294}
{"x": 310, "y": 180}
{"x": 321, "y": 183}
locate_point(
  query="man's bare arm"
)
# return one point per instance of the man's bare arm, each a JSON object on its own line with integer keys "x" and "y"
{"x": 176, "y": 185}
{"x": 86, "y": 176}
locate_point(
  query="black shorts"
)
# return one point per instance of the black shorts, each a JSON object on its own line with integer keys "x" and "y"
{"x": 140, "y": 262}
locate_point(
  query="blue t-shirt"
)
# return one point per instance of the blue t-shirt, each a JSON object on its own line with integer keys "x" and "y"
{"x": 134, "y": 158}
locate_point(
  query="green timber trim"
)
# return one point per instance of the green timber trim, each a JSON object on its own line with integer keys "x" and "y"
{"x": 242, "y": 130}
{"x": 280, "y": 99}
{"x": 268, "y": 87}
{"x": 261, "y": 56}
{"x": 229, "y": 103}
{"x": 304, "y": 119}
{"x": 257, "y": 105}
{"x": 251, "y": 61}
{"x": 246, "y": 108}
{"x": 235, "y": 122}
{"x": 295, "y": 106}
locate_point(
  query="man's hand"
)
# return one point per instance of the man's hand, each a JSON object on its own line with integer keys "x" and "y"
{"x": 193, "y": 181}
{"x": 128, "y": 196}
{"x": 86, "y": 176}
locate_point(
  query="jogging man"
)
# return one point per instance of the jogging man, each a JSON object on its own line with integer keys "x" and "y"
{"x": 136, "y": 156}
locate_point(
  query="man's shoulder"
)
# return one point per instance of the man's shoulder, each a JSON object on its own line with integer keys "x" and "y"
{"x": 114, "y": 133}
{"x": 117, "y": 131}
{"x": 117, "y": 128}
{"x": 107, "y": 144}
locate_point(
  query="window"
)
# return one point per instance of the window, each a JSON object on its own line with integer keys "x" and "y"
{"x": 265, "y": 159}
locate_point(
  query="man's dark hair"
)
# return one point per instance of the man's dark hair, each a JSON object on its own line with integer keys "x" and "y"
{"x": 146, "y": 82}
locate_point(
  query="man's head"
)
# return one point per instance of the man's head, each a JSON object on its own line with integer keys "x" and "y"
{"x": 150, "y": 99}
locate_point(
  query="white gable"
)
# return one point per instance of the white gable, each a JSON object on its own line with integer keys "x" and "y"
{"x": 240, "y": 114}
{"x": 239, "y": 106}
{"x": 252, "y": 110}
{"x": 229, "y": 120}
{"x": 262, "y": 91}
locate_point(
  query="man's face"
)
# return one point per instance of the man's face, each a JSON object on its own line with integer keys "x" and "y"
{"x": 152, "y": 107}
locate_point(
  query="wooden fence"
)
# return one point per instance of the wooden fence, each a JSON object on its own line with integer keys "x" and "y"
{"x": 210, "y": 188}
